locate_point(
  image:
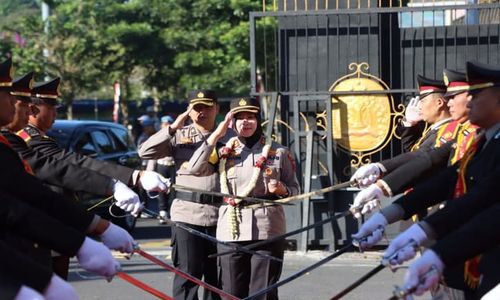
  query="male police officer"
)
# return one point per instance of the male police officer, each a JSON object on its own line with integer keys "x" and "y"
{"x": 196, "y": 210}
{"x": 468, "y": 186}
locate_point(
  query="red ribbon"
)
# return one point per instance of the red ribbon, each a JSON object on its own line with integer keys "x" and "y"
{"x": 185, "y": 275}
{"x": 143, "y": 286}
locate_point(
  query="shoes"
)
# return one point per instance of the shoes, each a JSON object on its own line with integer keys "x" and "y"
{"x": 162, "y": 216}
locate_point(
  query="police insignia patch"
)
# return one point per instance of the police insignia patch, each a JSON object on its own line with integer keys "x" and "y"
{"x": 31, "y": 131}
{"x": 268, "y": 171}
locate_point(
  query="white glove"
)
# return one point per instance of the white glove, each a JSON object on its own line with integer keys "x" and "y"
{"x": 412, "y": 112}
{"x": 117, "y": 238}
{"x": 126, "y": 199}
{"x": 60, "y": 289}
{"x": 404, "y": 246}
{"x": 367, "y": 200}
{"x": 424, "y": 273}
{"x": 371, "y": 232}
{"x": 96, "y": 258}
{"x": 153, "y": 182}
{"x": 27, "y": 293}
{"x": 366, "y": 175}
{"x": 493, "y": 294}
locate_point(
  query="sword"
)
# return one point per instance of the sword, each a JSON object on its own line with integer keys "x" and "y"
{"x": 300, "y": 273}
{"x": 402, "y": 293}
{"x": 370, "y": 274}
{"x": 318, "y": 192}
{"x": 249, "y": 199}
{"x": 358, "y": 282}
{"x": 212, "y": 239}
{"x": 283, "y": 236}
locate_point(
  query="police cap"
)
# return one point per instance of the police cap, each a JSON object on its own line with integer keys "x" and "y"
{"x": 456, "y": 82}
{"x": 21, "y": 87}
{"x": 6, "y": 72}
{"x": 206, "y": 97}
{"x": 46, "y": 92}
{"x": 245, "y": 104}
{"x": 427, "y": 86}
{"x": 481, "y": 76}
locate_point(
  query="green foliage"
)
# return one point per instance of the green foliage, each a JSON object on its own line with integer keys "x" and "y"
{"x": 168, "y": 46}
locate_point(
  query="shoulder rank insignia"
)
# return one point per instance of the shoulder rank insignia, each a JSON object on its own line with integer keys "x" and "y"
{"x": 24, "y": 135}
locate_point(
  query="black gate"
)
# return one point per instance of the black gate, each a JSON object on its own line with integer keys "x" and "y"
{"x": 301, "y": 50}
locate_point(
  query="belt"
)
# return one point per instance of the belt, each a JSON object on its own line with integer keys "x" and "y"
{"x": 198, "y": 197}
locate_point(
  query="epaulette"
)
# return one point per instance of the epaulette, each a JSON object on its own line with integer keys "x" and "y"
{"x": 24, "y": 135}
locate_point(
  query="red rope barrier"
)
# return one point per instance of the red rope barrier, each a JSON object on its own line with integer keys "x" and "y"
{"x": 143, "y": 286}
{"x": 186, "y": 275}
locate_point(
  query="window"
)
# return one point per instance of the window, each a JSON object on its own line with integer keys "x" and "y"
{"x": 84, "y": 145}
{"x": 102, "y": 141}
{"x": 124, "y": 139}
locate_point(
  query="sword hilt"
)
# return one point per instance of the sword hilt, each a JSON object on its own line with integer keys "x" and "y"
{"x": 357, "y": 242}
{"x": 386, "y": 260}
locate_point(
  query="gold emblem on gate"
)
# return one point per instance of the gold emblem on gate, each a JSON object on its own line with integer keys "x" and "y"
{"x": 360, "y": 122}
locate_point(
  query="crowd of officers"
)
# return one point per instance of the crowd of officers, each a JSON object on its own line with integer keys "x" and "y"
{"x": 40, "y": 229}
{"x": 453, "y": 161}
{"x": 454, "y": 166}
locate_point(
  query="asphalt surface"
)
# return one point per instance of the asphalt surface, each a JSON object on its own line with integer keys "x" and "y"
{"x": 320, "y": 283}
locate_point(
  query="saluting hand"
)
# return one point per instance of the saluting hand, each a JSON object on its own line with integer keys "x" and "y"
{"x": 221, "y": 129}
{"x": 181, "y": 119}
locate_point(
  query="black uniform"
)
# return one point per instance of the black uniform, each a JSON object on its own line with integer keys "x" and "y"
{"x": 15, "y": 181}
{"x": 59, "y": 172}
{"x": 44, "y": 145}
{"x": 481, "y": 176}
{"x": 18, "y": 270}
{"x": 410, "y": 135}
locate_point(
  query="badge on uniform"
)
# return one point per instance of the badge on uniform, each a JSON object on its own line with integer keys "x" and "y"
{"x": 268, "y": 172}
{"x": 186, "y": 140}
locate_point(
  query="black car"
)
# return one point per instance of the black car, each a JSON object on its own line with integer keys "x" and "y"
{"x": 103, "y": 141}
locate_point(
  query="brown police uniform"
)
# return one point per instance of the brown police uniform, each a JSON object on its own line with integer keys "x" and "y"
{"x": 244, "y": 274}
{"x": 196, "y": 210}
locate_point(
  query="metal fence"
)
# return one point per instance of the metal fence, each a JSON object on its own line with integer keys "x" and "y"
{"x": 303, "y": 58}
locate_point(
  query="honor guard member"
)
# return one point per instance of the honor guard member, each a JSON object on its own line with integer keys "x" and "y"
{"x": 471, "y": 179}
{"x": 24, "y": 221}
{"x": 249, "y": 167}
{"x": 14, "y": 175}
{"x": 60, "y": 173}
{"x": 196, "y": 210}
{"x": 407, "y": 169}
{"x": 433, "y": 109}
{"x": 44, "y": 98}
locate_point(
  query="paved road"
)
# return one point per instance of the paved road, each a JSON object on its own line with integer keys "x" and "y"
{"x": 321, "y": 283}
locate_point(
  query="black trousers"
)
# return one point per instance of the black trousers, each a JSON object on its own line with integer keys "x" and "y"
{"x": 245, "y": 274}
{"x": 190, "y": 254}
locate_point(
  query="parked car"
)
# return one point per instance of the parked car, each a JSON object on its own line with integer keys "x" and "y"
{"x": 102, "y": 141}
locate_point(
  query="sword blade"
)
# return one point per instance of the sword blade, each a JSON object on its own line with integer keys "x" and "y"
{"x": 284, "y": 236}
{"x": 300, "y": 273}
{"x": 358, "y": 282}
{"x": 249, "y": 199}
{"x": 212, "y": 239}
{"x": 318, "y": 192}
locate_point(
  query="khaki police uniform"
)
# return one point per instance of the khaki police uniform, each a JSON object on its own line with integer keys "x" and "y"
{"x": 255, "y": 222}
{"x": 197, "y": 210}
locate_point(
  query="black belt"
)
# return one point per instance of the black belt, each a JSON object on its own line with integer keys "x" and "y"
{"x": 198, "y": 197}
